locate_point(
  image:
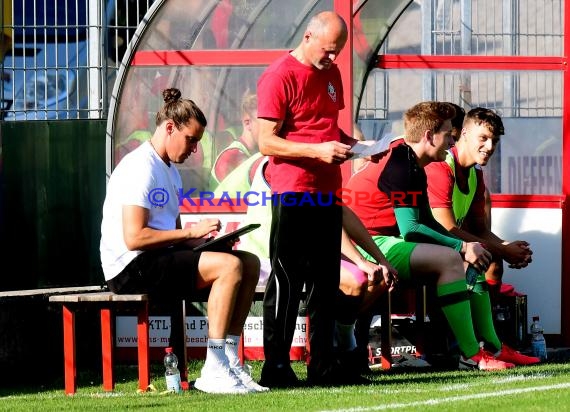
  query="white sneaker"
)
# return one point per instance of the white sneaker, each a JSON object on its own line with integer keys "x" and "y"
{"x": 247, "y": 380}
{"x": 220, "y": 380}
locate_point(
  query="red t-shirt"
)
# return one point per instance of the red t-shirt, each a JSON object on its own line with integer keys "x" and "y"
{"x": 308, "y": 101}
{"x": 441, "y": 182}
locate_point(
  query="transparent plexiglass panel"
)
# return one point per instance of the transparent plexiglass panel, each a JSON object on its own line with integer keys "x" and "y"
{"x": 529, "y": 156}
{"x": 371, "y": 24}
{"x": 217, "y": 91}
{"x": 229, "y": 24}
{"x": 479, "y": 27}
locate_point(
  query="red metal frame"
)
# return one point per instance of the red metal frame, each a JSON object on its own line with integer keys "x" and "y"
{"x": 206, "y": 57}
{"x": 565, "y": 281}
{"x": 412, "y": 61}
{"x": 526, "y": 201}
{"x": 345, "y": 64}
{"x": 499, "y": 201}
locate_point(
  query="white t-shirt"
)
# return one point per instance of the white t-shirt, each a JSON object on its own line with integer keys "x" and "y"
{"x": 142, "y": 179}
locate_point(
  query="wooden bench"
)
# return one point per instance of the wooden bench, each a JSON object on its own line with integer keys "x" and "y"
{"x": 107, "y": 303}
{"x": 15, "y": 295}
{"x": 27, "y": 319}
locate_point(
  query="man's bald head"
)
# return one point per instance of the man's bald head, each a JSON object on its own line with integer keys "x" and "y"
{"x": 330, "y": 23}
{"x": 324, "y": 38}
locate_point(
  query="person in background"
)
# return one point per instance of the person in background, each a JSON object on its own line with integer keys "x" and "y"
{"x": 457, "y": 121}
{"x": 299, "y": 99}
{"x": 238, "y": 181}
{"x": 459, "y": 198}
{"x": 398, "y": 216}
{"x": 241, "y": 148}
{"x": 144, "y": 249}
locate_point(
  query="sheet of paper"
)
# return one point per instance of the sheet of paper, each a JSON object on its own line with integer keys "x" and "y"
{"x": 364, "y": 150}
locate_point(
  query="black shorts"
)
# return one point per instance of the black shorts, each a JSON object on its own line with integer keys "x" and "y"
{"x": 169, "y": 272}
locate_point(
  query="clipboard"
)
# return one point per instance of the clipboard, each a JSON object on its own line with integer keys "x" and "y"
{"x": 218, "y": 244}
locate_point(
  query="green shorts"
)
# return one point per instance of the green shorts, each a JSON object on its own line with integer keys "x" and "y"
{"x": 397, "y": 251}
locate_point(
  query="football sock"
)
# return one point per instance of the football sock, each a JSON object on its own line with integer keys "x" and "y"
{"x": 232, "y": 344}
{"x": 454, "y": 301}
{"x": 483, "y": 319}
{"x": 216, "y": 353}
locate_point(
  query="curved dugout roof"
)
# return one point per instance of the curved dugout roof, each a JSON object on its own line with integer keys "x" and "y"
{"x": 214, "y": 51}
{"x": 181, "y": 44}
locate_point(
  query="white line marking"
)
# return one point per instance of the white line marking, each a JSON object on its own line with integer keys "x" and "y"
{"x": 455, "y": 398}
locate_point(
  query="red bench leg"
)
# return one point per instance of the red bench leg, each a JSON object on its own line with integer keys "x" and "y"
{"x": 143, "y": 346}
{"x": 184, "y": 365}
{"x": 70, "y": 364}
{"x": 241, "y": 349}
{"x": 386, "y": 332}
{"x": 307, "y": 341}
{"x": 107, "y": 349}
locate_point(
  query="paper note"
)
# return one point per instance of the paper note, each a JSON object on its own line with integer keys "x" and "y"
{"x": 361, "y": 150}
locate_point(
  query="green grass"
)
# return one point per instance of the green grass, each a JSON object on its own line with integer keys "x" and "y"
{"x": 534, "y": 388}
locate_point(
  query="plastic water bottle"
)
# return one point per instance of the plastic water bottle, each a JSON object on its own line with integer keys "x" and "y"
{"x": 172, "y": 373}
{"x": 471, "y": 276}
{"x": 538, "y": 343}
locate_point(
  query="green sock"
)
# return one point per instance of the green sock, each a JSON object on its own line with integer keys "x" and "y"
{"x": 483, "y": 318}
{"x": 454, "y": 301}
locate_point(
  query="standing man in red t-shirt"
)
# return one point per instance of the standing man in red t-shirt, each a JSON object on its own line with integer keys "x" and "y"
{"x": 299, "y": 98}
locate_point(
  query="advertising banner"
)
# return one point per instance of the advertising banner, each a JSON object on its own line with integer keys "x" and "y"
{"x": 197, "y": 335}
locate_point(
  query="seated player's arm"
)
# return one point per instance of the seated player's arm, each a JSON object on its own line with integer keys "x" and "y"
{"x": 357, "y": 232}
{"x": 446, "y": 218}
{"x": 413, "y": 231}
{"x": 516, "y": 253}
{"x": 376, "y": 272}
{"x": 513, "y": 252}
{"x": 408, "y": 219}
{"x": 139, "y": 236}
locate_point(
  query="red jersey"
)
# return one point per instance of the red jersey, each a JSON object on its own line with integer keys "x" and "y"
{"x": 307, "y": 100}
{"x": 372, "y": 205}
{"x": 441, "y": 182}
